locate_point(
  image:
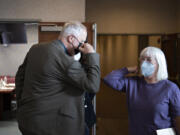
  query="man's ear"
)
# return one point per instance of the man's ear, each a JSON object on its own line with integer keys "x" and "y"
{"x": 70, "y": 39}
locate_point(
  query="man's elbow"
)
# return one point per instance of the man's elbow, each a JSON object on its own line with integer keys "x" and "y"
{"x": 94, "y": 87}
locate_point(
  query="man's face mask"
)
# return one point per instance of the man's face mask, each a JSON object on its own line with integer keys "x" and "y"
{"x": 77, "y": 57}
{"x": 76, "y": 51}
{"x": 147, "y": 68}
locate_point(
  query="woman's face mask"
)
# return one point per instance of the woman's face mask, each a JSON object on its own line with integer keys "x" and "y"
{"x": 147, "y": 68}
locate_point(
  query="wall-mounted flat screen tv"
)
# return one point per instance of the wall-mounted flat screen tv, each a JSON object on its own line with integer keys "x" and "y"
{"x": 13, "y": 33}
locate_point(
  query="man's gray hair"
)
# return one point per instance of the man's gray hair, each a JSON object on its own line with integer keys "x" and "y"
{"x": 158, "y": 54}
{"x": 73, "y": 28}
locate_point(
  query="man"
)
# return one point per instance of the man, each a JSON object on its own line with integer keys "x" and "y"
{"x": 50, "y": 84}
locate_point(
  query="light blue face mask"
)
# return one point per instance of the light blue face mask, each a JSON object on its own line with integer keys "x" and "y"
{"x": 147, "y": 69}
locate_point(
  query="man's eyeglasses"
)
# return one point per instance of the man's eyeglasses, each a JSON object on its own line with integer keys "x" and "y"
{"x": 80, "y": 43}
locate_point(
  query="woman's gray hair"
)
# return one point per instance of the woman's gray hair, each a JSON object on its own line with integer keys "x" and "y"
{"x": 73, "y": 28}
{"x": 158, "y": 54}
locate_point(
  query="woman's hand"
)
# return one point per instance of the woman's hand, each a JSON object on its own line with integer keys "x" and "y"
{"x": 133, "y": 69}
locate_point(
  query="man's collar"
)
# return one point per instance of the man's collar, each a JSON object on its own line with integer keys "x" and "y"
{"x": 62, "y": 44}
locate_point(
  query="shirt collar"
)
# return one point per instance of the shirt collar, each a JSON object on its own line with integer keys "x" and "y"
{"x": 62, "y": 44}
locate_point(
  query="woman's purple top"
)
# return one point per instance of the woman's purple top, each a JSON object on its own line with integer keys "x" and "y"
{"x": 150, "y": 106}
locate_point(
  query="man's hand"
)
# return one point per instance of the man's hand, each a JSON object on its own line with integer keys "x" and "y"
{"x": 86, "y": 48}
{"x": 133, "y": 69}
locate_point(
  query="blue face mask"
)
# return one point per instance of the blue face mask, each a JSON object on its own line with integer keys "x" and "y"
{"x": 147, "y": 69}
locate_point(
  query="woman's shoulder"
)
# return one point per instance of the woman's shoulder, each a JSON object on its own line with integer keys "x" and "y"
{"x": 171, "y": 86}
{"x": 171, "y": 83}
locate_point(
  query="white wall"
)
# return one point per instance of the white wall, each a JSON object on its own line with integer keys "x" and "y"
{"x": 13, "y": 55}
{"x": 45, "y": 10}
{"x": 132, "y": 16}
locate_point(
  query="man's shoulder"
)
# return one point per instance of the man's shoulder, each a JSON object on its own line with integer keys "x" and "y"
{"x": 43, "y": 44}
{"x": 40, "y": 45}
{"x": 47, "y": 45}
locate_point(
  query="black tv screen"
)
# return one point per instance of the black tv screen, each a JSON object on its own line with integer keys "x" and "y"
{"x": 13, "y": 33}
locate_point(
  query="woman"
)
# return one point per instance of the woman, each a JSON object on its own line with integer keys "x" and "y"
{"x": 153, "y": 101}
